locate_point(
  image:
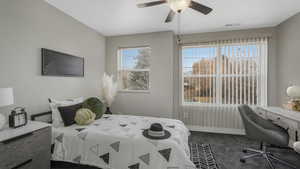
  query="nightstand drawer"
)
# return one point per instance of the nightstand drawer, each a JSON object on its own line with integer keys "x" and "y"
{"x": 27, "y": 147}
{"x": 24, "y": 147}
{"x": 42, "y": 138}
{"x": 16, "y": 150}
{"x": 28, "y": 164}
{"x": 41, "y": 160}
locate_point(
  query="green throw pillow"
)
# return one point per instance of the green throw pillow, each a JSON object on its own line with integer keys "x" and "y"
{"x": 84, "y": 116}
{"x": 95, "y": 105}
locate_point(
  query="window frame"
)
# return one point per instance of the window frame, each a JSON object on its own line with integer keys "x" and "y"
{"x": 119, "y": 68}
{"x": 219, "y": 76}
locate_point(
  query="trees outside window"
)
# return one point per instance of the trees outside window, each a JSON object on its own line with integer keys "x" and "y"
{"x": 134, "y": 68}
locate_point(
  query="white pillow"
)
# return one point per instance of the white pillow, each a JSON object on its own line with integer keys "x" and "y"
{"x": 56, "y": 117}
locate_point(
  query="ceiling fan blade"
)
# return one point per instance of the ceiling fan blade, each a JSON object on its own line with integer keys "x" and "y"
{"x": 170, "y": 16}
{"x": 148, "y": 4}
{"x": 200, "y": 8}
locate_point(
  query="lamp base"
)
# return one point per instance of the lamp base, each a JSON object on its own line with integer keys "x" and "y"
{"x": 108, "y": 111}
{"x": 293, "y": 105}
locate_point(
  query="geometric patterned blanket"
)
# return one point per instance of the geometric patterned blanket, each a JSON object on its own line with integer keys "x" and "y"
{"x": 117, "y": 142}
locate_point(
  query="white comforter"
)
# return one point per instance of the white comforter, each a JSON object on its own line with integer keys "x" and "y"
{"x": 116, "y": 142}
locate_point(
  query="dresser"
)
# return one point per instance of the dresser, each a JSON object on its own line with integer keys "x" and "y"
{"x": 287, "y": 119}
{"x": 27, "y": 147}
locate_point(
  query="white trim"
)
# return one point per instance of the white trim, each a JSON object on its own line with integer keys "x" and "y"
{"x": 119, "y": 68}
{"x": 261, "y": 74}
{"x": 133, "y": 91}
{"x": 135, "y": 70}
{"x": 216, "y": 130}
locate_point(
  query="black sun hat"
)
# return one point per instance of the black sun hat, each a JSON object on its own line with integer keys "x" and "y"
{"x": 156, "y": 132}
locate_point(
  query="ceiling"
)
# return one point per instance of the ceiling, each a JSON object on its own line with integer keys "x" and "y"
{"x": 118, "y": 17}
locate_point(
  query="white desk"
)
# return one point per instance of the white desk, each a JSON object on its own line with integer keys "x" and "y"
{"x": 285, "y": 118}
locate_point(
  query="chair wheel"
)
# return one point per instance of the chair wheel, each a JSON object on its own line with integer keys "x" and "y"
{"x": 245, "y": 151}
{"x": 242, "y": 160}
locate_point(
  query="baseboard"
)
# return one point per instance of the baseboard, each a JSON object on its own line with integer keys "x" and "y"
{"x": 216, "y": 130}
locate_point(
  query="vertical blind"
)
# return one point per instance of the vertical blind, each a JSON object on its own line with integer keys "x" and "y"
{"x": 225, "y": 72}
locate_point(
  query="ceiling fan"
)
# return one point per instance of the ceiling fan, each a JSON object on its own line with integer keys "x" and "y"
{"x": 177, "y": 6}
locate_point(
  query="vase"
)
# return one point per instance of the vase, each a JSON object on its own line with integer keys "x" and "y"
{"x": 108, "y": 111}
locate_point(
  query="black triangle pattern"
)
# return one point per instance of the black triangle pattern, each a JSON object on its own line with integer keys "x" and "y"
{"x": 82, "y": 136}
{"x": 116, "y": 146}
{"x": 166, "y": 153}
{"x": 60, "y": 138}
{"x": 145, "y": 158}
{"x": 134, "y": 166}
{"x": 80, "y": 129}
{"x": 105, "y": 158}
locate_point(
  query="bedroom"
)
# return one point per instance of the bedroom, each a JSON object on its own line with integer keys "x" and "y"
{"x": 194, "y": 72}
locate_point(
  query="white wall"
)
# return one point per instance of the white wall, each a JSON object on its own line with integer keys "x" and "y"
{"x": 25, "y": 28}
{"x": 159, "y": 100}
{"x": 288, "y": 56}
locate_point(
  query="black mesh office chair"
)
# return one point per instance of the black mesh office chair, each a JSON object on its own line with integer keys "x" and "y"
{"x": 260, "y": 129}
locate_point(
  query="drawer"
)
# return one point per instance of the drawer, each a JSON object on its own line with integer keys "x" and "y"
{"x": 16, "y": 150}
{"x": 24, "y": 147}
{"x": 41, "y": 160}
{"x": 286, "y": 123}
{"x": 43, "y": 139}
{"x": 27, "y": 164}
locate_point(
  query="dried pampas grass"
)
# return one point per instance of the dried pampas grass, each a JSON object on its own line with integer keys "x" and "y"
{"x": 109, "y": 89}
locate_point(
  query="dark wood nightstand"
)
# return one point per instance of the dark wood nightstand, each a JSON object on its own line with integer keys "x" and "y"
{"x": 28, "y": 147}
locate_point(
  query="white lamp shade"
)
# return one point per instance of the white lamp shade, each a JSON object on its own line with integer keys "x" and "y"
{"x": 6, "y": 97}
{"x": 293, "y": 91}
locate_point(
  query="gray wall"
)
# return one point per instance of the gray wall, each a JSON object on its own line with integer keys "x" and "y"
{"x": 25, "y": 28}
{"x": 164, "y": 76}
{"x": 159, "y": 100}
{"x": 288, "y": 56}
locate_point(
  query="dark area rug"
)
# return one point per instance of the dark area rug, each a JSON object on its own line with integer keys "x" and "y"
{"x": 227, "y": 150}
{"x": 202, "y": 156}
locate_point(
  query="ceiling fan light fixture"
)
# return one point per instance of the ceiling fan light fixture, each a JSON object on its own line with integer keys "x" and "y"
{"x": 179, "y": 5}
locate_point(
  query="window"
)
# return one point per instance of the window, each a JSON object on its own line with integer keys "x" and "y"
{"x": 225, "y": 73}
{"x": 134, "y": 68}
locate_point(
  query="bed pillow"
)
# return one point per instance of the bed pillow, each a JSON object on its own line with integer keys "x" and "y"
{"x": 84, "y": 116}
{"x": 68, "y": 113}
{"x": 95, "y": 105}
{"x": 54, "y": 104}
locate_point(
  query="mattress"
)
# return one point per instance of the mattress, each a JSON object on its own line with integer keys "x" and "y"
{"x": 117, "y": 142}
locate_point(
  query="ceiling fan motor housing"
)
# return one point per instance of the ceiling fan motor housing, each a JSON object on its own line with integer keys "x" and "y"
{"x": 179, "y": 5}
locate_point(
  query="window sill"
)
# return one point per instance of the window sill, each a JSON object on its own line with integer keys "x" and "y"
{"x": 210, "y": 105}
{"x": 134, "y": 91}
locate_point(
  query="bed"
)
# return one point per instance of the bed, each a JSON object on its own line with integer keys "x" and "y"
{"x": 116, "y": 142}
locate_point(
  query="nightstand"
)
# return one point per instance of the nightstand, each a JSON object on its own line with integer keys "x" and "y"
{"x": 27, "y": 147}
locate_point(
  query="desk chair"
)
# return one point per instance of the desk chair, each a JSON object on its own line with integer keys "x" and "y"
{"x": 260, "y": 129}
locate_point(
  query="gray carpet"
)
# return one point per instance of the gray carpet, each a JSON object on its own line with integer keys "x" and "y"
{"x": 227, "y": 150}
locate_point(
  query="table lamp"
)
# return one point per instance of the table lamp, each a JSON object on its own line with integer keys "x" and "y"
{"x": 6, "y": 99}
{"x": 293, "y": 92}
